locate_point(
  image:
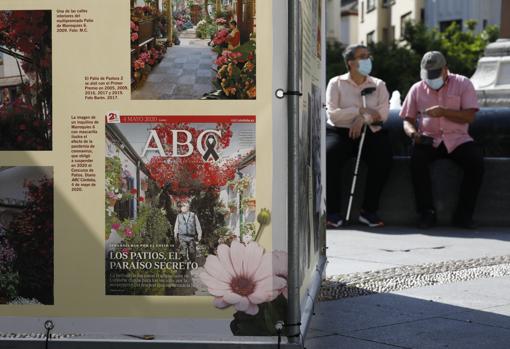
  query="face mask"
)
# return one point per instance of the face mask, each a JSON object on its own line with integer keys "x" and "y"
{"x": 435, "y": 84}
{"x": 365, "y": 66}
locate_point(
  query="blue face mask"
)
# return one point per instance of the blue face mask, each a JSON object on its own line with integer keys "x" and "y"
{"x": 435, "y": 84}
{"x": 365, "y": 66}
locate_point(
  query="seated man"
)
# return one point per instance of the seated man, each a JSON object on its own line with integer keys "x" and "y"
{"x": 346, "y": 118}
{"x": 437, "y": 112}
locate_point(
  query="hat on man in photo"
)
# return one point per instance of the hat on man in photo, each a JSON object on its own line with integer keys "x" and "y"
{"x": 432, "y": 64}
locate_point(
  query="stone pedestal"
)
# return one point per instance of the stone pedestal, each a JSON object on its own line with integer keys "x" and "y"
{"x": 492, "y": 76}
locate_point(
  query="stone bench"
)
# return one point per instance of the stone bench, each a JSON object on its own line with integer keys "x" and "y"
{"x": 491, "y": 130}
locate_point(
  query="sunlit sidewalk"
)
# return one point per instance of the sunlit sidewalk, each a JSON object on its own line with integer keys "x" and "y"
{"x": 408, "y": 288}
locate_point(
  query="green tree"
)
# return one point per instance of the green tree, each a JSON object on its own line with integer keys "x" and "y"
{"x": 397, "y": 66}
{"x": 334, "y": 60}
{"x": 462, "y": 49}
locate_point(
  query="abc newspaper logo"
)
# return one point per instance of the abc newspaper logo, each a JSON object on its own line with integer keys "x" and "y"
{"x": 113, "y": 117}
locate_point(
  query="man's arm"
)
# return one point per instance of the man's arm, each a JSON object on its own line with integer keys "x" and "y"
{"x": 336, "y": 114}
{"x": 381, "y": 111}
{"x": 176, "y": 227}
{"x": 199, "y": 228}
{"x": 410, "y": 127}
{"x": 465, "y": 116}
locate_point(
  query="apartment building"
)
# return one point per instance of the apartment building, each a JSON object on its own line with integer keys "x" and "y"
{"x": 342, "y": 21}
{"x": 441, "y": 13}
{"x": 384, "y": 20}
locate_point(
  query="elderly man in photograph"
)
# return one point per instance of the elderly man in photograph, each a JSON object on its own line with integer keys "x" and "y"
{"x": 187, "y": 232}
{"x": 346, "y": 117}
{"x": 437, "y": 112}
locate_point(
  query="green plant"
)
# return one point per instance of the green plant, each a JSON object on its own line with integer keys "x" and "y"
{"x": 247, "y": 229}
{"x": 9, "y": 279}
{"x": 205, "y": 29}
{"x": 9, "y": 285}
{"x": 31, "y": 236}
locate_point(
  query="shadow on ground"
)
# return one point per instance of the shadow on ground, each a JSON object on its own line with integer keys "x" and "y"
{"x": 474, "y": 314}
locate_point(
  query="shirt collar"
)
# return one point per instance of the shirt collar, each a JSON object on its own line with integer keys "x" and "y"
{"x": 347, "y": 77}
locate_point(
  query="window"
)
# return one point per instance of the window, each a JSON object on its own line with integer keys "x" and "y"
{"x": 370, "y": 5}
{"x": 484, "y": 25}
{"x": 388, "y": 3}
{"x": 126, "y": 208}
{"x": 403, "y": 22}
{"x": 443, "y": 25}
{"x": 362, "y": 12}
{"x": 370, "y": 37}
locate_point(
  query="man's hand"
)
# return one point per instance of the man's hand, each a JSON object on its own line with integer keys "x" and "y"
{"x": 435, "y": 111}
{"x": 415, "y": 136}
{"x": 374, "y": 114}
{"x": 357, "y": 126}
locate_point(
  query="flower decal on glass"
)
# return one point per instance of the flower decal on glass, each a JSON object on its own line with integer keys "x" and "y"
{"x": 242, "y": 276}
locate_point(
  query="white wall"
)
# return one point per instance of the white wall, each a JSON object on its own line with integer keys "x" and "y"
{"x": 445, "y": 10}
{"x": 333, "y": 26}
{"x": 12, "y": 179}
{"x": 349, "y": 30}
{"x": 401, "y": 8}
{"x": 10, "y": 67}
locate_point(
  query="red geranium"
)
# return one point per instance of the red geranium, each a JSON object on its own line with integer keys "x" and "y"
{"x": 187, "y": 175}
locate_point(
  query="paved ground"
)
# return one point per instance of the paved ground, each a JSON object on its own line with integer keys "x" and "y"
{"x": 469, "y": 310}
{"x": 185, "y": 72}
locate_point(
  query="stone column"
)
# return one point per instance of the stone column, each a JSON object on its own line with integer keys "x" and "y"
{"x": 168, "y": 12}
{"x": 218, "y": 8}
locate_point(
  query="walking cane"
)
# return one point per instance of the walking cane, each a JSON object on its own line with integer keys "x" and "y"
{"x": 365, "y": 92}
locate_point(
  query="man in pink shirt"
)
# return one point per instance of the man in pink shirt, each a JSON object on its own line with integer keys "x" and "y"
{"x": 437, "y": 112}
{"x": 346, "y": 117}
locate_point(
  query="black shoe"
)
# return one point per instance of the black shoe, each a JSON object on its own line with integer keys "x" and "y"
{"x": 371, "y": 219}
{"x": 427, "y": 219}
{"x": 334, "y": 221}
{"x": 464, "y": 223}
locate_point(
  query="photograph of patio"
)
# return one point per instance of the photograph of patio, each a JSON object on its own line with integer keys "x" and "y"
{"x": 25, "y": 80}
{"x": 26, "y": 235}
{"x": 193, "y": 49}
{"x": 146, "y": 193}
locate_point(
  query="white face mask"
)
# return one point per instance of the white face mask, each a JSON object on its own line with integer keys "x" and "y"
{"x": 435, "y": 84}
{"x": 365, "y": 66}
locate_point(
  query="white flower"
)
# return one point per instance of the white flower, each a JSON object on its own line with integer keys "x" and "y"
{"x": 281, "y": 269}
{"x": 241, "y": 276}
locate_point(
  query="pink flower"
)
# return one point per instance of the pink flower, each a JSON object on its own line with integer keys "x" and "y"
{"x": 281, "y": 269}
{"x": 115, "y": 226}
{"x": 241, "y": 276}
{"x": 128, "y": 232}
{"x": 134, "y": 37}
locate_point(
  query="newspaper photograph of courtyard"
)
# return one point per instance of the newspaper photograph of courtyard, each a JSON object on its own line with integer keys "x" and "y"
{"x": 189, "y": 50}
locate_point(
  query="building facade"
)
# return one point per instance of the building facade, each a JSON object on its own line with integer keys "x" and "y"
{"x": 441, "y": 13}
{"x": 342, "y": 21}
{"x": 384, "y": 20}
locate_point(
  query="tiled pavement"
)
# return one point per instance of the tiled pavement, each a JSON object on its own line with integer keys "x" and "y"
{"x": 473, "y": 314}
{"x": 186, "y": 72}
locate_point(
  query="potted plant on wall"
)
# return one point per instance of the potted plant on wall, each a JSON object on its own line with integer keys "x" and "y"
{"x": 232, "y": 205}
